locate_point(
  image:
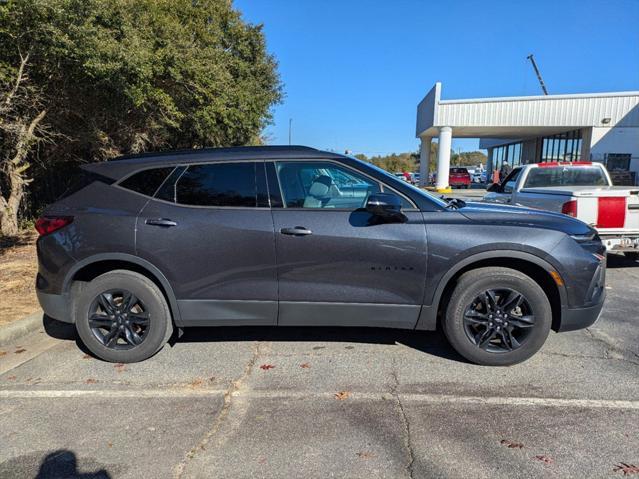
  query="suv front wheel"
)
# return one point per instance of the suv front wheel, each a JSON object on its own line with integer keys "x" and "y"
{"x": 497, "y": 316}
{"x": 122, "y": 316}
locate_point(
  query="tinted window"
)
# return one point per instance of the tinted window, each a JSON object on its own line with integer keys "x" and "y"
{"x": 323, "y": 185}
{"x": 147, "y": 181}
{"x": 222, "y": 184}
{"x": 542, "y": 177}
{"x": 463, "y": 171}
{"x": 82, "y": 180}
{"x": 167, "y": 191}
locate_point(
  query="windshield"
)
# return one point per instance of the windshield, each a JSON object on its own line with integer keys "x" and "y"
{"x": 566, "y": 176}
{"x": 405, "y": 184}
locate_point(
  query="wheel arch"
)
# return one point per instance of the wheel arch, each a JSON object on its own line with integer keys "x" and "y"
{"x": 93, "y": 266}
{"x": 535, "y": 267}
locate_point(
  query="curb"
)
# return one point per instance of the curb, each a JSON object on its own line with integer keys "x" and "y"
{"x": 22, "y": 327}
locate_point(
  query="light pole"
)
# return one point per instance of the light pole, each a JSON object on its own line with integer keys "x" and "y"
{"x": 290, "y": 127}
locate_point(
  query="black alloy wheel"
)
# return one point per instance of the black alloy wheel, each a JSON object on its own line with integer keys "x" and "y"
{"x": 499, "y": 320}
{"x": 118, "y": 319}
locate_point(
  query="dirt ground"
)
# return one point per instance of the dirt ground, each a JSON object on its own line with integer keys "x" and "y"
{"x": 18, "y": 268}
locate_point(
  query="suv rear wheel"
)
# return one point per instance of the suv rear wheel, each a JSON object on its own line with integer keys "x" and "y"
{"x": 497, "y": 316}
{"x": 122, "y": 316}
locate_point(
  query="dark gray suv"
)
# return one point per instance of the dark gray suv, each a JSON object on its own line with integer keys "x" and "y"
{"x": 293, "y": 236}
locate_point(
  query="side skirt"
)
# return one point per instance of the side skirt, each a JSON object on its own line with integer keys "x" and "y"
{"x": 294, "y": 313}
{"x": 195, "y": 312}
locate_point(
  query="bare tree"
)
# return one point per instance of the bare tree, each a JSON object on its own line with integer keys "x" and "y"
{"x": 21, "y": 128}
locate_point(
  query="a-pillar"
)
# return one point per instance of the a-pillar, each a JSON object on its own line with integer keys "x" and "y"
{"x": 443, "y": 159}
{"x": 424, "y": 160}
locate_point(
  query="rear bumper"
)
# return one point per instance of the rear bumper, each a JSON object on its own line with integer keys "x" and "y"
{"x": 580, "y": 318}
{"x": 620, "y": 242}
{"x": 55, "y": 306}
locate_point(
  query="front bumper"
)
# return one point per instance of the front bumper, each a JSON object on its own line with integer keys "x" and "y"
{"x": 55, "y": 306}
{"x": 580, "y": 318}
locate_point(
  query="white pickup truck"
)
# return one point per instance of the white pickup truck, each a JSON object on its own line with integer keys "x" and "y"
{"x": 580, "y": 189}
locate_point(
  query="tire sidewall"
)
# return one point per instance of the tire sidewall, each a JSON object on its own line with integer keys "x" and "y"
{"x": 151, "y": 297}
{"x": 469, "y": 288}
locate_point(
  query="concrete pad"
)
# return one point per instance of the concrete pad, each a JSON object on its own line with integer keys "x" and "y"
{"x": 283, "y": 438}
{"x": 123, "y": 438}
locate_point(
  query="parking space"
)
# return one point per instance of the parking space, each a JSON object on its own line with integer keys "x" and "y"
{"x": 293, "y": 402}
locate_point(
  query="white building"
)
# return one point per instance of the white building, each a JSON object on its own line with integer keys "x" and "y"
{"x": 599, "y": 127}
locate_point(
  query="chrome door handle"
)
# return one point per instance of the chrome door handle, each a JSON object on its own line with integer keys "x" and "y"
{"x": 161, "y": 222}
{"x": 297, "y": 231}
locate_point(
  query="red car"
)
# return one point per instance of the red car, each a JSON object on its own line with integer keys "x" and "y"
{"x": 459, "y": 178}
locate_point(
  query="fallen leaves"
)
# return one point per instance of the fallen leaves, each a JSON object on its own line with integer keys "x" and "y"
{"x": 3, "y": 353}
{"x": 86, "y": 356}
{"x": 305, "y": 366}
{"x": 342, "y": 395}
{"x": 627, "y": 469}
{"x": 91, "y": 381}
{"x": 544, "y": 459}
{"x": 20, "y": 351}
{"x": 511, "y": 444}
{"x": 266, "y": 367}
{"x": 11, "y": 378}
{"x": 120, "y": 367}
{"x": 196, "y": 383}
{"x": 365, "y": 455}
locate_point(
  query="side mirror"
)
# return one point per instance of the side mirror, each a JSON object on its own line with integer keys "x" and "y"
{"x": 494, "y": 187}
{"x": 384, "y": 204}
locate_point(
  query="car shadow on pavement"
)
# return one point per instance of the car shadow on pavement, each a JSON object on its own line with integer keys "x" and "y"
{"x": 429, "y": 342}
{"x": 617, "y": 260}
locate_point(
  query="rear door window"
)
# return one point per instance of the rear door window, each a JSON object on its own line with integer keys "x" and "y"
{"x": 218, "y": 184}
{"x": 146, "y": 182}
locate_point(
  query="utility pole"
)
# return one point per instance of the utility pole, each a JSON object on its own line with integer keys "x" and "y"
{"x": 541, "y": 80}
{"x": 290, "y": 126}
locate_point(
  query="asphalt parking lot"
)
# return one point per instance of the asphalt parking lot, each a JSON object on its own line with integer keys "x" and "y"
{"x": 295, "y": 402}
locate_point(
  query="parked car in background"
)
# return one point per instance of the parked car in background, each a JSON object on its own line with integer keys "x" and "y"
{"x": 459, "y": 178}
{"x": 276, "y": 236}
{"x": 583, "y": 190}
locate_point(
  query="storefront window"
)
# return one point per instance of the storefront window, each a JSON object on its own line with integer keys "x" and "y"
{"x": 562, "y": 147}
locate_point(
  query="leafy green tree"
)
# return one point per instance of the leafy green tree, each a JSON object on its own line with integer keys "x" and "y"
{"x": 102, "y": 78}
{"x": 468, "y": 158}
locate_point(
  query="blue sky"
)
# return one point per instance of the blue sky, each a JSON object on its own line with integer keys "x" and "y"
{"x": 354, "y": 70}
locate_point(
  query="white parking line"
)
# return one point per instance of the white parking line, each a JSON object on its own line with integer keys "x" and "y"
{"x": 414, "y": 397}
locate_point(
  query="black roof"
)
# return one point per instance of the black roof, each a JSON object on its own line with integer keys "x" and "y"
{"x": 121, "y": 166}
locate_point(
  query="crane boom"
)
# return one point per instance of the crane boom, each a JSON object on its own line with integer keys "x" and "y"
{"x": 541, "y": 80}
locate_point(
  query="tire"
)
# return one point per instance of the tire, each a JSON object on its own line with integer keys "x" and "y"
{"x": 153, "y": 327}
{"x": 632, "y": 255}
{"x": 463, "y": 313}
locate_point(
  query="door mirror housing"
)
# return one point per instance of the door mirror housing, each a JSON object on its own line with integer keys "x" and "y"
{"x": 384, "y": 205}
{"x": 494, "y": 188}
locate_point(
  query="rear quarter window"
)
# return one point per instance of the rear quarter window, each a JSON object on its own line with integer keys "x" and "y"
{"x": 146, "y": 182}
{"x": 83, "y": 179}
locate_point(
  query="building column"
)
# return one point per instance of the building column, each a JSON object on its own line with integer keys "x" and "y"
{"x": 586, "y": 144}
{"x": 443, "y": 159}
{"x": 424, "y": 160}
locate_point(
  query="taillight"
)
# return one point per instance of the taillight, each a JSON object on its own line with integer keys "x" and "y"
{"x": 48, "y": 224}
{"x": 570, "y": 208}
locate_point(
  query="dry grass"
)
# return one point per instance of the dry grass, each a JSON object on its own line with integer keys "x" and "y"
{"x": 18, "y": 268}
